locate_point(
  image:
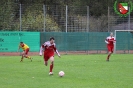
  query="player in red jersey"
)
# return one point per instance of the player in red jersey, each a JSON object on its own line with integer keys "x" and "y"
{"x": 110, "y": 40}
{"x": 49, "y": 48}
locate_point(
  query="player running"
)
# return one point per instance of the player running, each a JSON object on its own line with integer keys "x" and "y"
{"x": 25, "y": 49}
{"x": 49, "y": 48}
{"x": 110, "y": 40}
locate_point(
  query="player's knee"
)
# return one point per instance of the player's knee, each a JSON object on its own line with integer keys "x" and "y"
{"x": 25, "y": 56}
{"x": 110, "y": 53}
{"x": 52, "y": 62}
{"x": 52, "y": 59}
{"x": 22, "y": 54}
{"x": 46, "y": 63}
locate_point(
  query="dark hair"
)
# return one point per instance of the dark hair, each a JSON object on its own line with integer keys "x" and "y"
{"x": 21, "y": 42}
{"x": 51, "y": 38}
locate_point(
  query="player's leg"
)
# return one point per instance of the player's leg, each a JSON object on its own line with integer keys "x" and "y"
{"x": 45, "y": 57}
{"x": 26, "y": 54}
{"x": 51, "y": 65}
{"x": 22, "y": 56}
{"x": 111, "y": 50}
{"x": 109, "y": 53}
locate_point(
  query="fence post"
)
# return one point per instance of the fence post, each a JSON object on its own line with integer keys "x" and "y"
{"x": 108, "y": 19}
{"x": 129, "y": 21}
{"x": 129, "y": 28}
{"x": 87, "y": 19}
{"x": 44, "y": 13}
{"x": 66, "y": 17}
{"x": 20, "y": 17}
{"x": 87, "y": 29}
{"x": 66, "y": 26}
{"x": 115, "y": 43}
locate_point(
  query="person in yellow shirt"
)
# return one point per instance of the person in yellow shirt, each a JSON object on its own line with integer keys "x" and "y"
{"x": 25, "y": 49}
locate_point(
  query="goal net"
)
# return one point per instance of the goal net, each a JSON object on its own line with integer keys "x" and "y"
{"x": 124, "y": 41}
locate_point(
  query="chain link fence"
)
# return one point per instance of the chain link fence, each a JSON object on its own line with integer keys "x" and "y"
{"x": 115, "y": 22}
{"x": 84, "y": 29}
{"x": 56, "y": 18}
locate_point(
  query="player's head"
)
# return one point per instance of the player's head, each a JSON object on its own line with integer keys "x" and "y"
{"x": 111, "y": 34}
{"x": 51, "y": 39}
{"x": 21, "y": 43}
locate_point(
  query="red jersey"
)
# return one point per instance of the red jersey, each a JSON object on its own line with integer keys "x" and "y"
{"x": 49, "y": 48}
{"x": 110, "y": 41}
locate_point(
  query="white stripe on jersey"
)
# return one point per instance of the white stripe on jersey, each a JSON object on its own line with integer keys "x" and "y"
{"x": 109, "y": 37}
{"x": 48, "y": 44}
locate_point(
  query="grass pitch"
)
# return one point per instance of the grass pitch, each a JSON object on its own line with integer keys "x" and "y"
{"x": 81, "y": 71}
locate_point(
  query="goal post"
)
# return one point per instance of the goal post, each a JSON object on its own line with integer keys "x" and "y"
{"x": 116, "y": 34}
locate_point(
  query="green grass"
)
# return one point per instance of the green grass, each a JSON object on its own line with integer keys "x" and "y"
{"x": 81, "y": 71}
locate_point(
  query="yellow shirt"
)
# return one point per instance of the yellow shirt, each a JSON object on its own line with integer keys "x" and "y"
{"x": 24, "y": 46}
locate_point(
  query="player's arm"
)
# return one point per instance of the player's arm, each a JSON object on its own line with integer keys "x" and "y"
{"x": 42, "y": 49}
{"x": 18, "y": 47}
{"x": 114, "y": 40}
{"x": 106, "y": 41}
{"x": 56, "y": 51}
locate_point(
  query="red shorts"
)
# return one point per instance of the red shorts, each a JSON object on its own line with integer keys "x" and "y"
{"x": 110, "y": 48}
{"x": 26, "y": 51}
{"x": 47, "y": 56}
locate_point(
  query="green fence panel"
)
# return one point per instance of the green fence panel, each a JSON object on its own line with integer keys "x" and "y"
{"x": 77, "y": 41}
{"x": 124, "y": 41}
{"x": 97, "y": 40}
{"x": 71, "y": 41}
{"x": 9, "y": 41}
{"x": 60, "y": 39}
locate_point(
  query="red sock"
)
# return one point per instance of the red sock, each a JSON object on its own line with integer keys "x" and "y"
{"x": 108, "y": 57}
{"x": 51, "y": 67}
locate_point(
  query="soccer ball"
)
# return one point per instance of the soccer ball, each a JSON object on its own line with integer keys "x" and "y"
{"x": 61, "y": 73}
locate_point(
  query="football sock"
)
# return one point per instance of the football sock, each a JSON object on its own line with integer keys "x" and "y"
{"x": 46, "y": 63}
{"x": 51, "y": 67}
{"x": 28, "y": 57}
{"x": 21, "y": 59}
{"x": 108, "y": 57}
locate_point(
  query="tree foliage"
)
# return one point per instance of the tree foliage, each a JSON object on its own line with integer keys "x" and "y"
{"x": 33, "y": 16}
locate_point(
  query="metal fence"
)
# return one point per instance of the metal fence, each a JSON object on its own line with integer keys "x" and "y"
{"x": 55, "y": 18}
{"x": 115, "y": 22}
